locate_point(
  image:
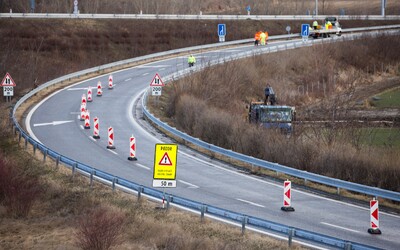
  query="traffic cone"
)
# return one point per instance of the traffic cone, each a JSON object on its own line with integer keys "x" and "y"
{"x": 83, "y": 111}
{"x": 374, "y": 211}
{"x": 110, "y": 82}
{"x": 110, "y": 138}
{"x": 96, "y": 134}
{"x": 87, "y": 120}
{"x": 89, "y": 94}
{"x": 132, "y": 151}
{"x": 83, "y": 100}
{"x": 287, "y": 197}
{"x": 99, "y": 89}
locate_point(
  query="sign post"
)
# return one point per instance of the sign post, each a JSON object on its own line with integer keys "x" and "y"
{"x": 221, "y": 32}
{"x": 305, "y": 32}
{"x": 164, "y": 173}
{"x": 8, "y": 85}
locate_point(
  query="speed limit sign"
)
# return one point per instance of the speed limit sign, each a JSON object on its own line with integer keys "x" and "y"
{"x": 156, "y": 90}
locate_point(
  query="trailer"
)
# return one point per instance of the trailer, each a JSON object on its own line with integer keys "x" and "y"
{"x": 330, "y": 27}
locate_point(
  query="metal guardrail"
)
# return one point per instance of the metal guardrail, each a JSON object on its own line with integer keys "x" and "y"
{"x": 202, "y": 208}
{"x": 193, "y": 17}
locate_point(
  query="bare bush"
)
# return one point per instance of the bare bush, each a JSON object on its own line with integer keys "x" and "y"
{"x": 100, "y": 229}
{"x": 18, "y": 189}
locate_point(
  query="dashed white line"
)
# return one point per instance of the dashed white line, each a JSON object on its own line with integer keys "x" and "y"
{"x": 344, "y": 228}
{"x": 162, "y": 69}
{"x": 249, "y": 202}
{"x": 128, "y": 79}
{"x": 81, "y": 127}
{"x": 189, "y": 184}
{"x": 112, "y": 151}
{"x": 91, "y": 138}
{"x": 142, "y": 166}
{"x": 145, "y": 74}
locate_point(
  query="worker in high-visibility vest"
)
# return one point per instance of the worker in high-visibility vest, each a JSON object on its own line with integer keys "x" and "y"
{"x": 315, "y": 25}
{"x": 257, "y": 38}
{"x": 191, "y": 60}
{"x": 266, "y": 37}
{"x": 263, "y": 37}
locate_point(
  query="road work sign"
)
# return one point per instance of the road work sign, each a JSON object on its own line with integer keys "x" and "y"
{"x": 164, "y": 173}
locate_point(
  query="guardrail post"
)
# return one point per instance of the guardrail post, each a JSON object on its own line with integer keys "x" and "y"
{"x": 202, "y": 211}
{"x": 305, "y": 182}
{"x": 19, "y": 136}
{"x": 113, "y": 184}
{"x": 34, "y": 149}
{"x": 139, "y": 192}
{"x": 169, "y": 199}
{"x": 91, "y": 178}
{"x": 347, "y": 245}
{"x": 73, "y": 169}
{"x": 290, "y": 236}
{"x": 244, "y": 222}
{"x": 26, "y": 143}
{"x": 338, "y": 191}
{"x": 44, "y": 155}
{"x": 57, "y": 161}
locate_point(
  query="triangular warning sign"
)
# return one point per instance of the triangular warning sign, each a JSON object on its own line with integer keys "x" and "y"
{"x": 165, "y": 160}
{"x": 157, "y": 81}
{"x": 7, "y": 81}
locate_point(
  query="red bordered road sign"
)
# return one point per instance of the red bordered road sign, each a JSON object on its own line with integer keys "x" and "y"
{"x": 157, "y": 81}
{"x": 8, "y": 81}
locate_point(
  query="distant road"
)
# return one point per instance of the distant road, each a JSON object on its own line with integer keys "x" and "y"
{"x": 191, "y": 17}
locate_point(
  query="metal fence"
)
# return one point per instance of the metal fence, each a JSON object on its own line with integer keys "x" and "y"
{"x": 192, "y": 17}
{"x": 203, "y": 209}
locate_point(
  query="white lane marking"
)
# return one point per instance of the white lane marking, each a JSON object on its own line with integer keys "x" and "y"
{"x": 152, "y": 66}
{"x": 344, "y": 228}
{"x": 75, "y": 113}
{"x": 112, "y": 151}
{"x": 72, "y": 89}
{"x": 91, "y": 138}
{"x": 142, "y": 166}
{"x": 82, "y": 127}
{"x": 162, "y": 69}
{"x": 145, "y": 74}
{"x": 179, "y": 64}
{"x": 249, "y": 202}
{"x": 54, "y": 123}
{"x": 128, "y": 79}
{"x": 189, "y": 184}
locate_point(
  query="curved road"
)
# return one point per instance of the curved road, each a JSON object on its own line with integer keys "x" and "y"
{"x": 198, "y": 177}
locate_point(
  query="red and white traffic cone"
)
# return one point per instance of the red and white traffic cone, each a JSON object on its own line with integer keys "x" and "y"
{"x": 110, "y": 82}
{"x": 83, "y": 100}
{"x": 132, "y": 151}
{"x": 110, "y": 138}
{"x": 89, "y": 94}
{"x": 96, "y": 134}
{"x": 287, "y": 196}
{"x": 374, "y": 211}
{"x": 99, "y": 89}
{"x": 83, "y": 111}
{"x": 87, "y": 120}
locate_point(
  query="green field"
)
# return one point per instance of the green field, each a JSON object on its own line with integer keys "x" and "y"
{"x": 389, "y": 137}
{"x": 390, "y": 99}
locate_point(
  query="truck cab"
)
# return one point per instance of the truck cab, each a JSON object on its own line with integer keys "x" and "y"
{"x": 278, "y": 117}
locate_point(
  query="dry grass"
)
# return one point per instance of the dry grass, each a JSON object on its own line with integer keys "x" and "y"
{"x": 281, "y": 7}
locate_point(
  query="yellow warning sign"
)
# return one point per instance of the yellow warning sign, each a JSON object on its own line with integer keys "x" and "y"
{"x": 165, "y": 157}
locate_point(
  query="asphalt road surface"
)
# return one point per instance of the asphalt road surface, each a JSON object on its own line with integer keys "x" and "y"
{"x": 198, "y": 177}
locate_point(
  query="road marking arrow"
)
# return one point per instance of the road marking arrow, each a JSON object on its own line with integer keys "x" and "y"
{"x": 54, "y": 123}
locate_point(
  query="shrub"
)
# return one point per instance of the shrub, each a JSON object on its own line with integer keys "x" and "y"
{"x": 99, "y": 229}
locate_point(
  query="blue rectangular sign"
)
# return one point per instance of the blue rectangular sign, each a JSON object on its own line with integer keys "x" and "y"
{"x": 305, "y": 30}
{"x": 221, "y": 30}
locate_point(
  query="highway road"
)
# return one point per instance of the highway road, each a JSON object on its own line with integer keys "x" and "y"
{"x": 198, "y": 177}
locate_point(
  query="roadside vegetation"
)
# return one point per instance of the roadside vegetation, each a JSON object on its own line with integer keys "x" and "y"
{"x": 322, "y": 82}
{"x": 233, "y": 7}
